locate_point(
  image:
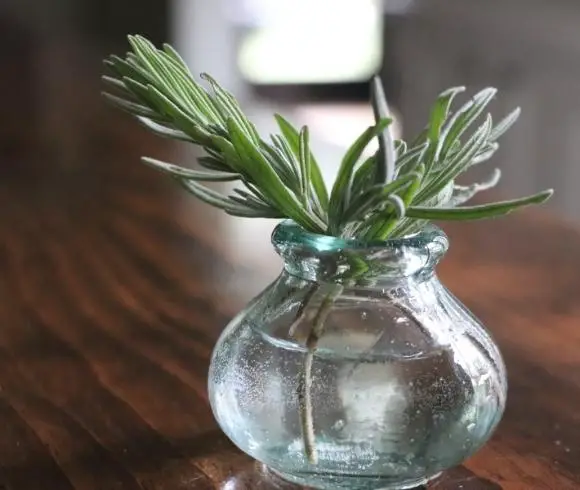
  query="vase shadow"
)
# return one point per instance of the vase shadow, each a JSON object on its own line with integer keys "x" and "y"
{"x": 230, "y": 469}
{"x": 257, "y": 477}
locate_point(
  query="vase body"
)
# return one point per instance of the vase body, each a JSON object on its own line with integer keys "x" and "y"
{"x": 403, "y": 382}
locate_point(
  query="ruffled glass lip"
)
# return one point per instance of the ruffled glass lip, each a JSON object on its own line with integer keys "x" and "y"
{"x": 290, "y": 234}
{"x": 325, "y": 258}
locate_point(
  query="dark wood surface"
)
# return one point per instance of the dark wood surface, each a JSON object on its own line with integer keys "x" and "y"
{"x": 114, "y": 285}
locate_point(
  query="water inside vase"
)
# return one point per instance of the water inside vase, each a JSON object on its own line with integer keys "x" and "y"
{"x": 405, "y": 416}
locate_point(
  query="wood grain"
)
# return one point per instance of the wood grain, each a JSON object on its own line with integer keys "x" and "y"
{"x": 114, "y": 285}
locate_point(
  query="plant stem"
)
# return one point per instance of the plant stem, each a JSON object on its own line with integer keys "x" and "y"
{"x": 316, "y": 332}
{"x": 301, "y": 313}
{"x": 305, "y": 383}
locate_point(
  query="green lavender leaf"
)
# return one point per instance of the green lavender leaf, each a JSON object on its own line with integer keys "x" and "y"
{"x": 213, "y": 163}
{"x": 485, "y": 153}
{"x": 364, "y": 176}
{"x": 463, "y": 119}
{"x": 256, "y": 165}
{"x": 282, "y": 179}
{"x": 286, "y": 153}
{"x": 130, "y": 106}
{"x": 305, "y": 163}
{"x": 229, "y": 107}
{"x": 187, "y": 173}
{"x": 340, "y": 195}
{"x": 505, "y": 124}
{"x": 171, "y": 51}
{"x": 460, "y": 162}
{"x": 163, "y": 130}
{"x": 477, "y": 212}
{"x": 462, "y": 194}
{"x": 119, "y": 86}
{"x": 374, "y": 197}
{"x": 283, "y": 167}
{"x": 125, "y": 69}
{"x": 292, "y": 137}
{"x": 387, "y": 156}
{"x": 440, "y": 112}
{"x": 412, "y": 159}
{"x": 398, "y": 205}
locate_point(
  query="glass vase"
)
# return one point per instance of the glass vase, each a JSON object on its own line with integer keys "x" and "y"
{"x": 356, "y": 369}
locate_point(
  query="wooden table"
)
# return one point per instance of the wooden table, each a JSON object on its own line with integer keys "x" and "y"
{"x": 115, "y": 284}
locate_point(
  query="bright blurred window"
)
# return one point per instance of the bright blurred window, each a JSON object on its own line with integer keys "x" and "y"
{"x": 309, "y": 41}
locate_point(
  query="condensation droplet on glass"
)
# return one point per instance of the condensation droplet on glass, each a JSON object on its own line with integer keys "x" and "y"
{"x": 339, "y": 424}
{"x": 471, "y": 426}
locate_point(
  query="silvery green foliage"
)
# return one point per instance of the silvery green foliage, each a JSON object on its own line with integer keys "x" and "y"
{"x": 390, "y": 194}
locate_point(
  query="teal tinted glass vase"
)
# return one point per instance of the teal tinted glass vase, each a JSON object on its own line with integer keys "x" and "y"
{"x": 356, "y": 368}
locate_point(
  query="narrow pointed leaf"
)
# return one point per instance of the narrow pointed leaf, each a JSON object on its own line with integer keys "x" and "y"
{"x": 486, "y": 153}
{"x": 216, "y": 199}
{"x": 170, "y": 50}
{"x": 210, "y": 196}
{"x": 187, "y": 173}
{"x": 119, "y": 85}
{"x": 477, "y": 212}
{"x": 129, "y": 106}
{"x": 387, "y": 156}
{"x": 230, "y": 108}
{"x": 125, "y": 69}
{"x": 462, "y": 194}
{"x": 464, "y": 118}
{"x": 262, "y": 173}
{"x": 460, "y": 162}
{"x": 289, "y": 156}
{"x": 398, "y": 205}
{"x": 440, "y": 111}
{"x": 505, "y": 124}
{"x": 439, "y": 114}
{"x": 292, "y": 136}
{"x": 410, "y": 160}
{"x": 364, "y": 176}
{"x": 340, "y": 196}
{"x": 377, "y": 194}
{"x": 304, "y": 158}
{"x": 213, "y": 163}
{"x": 164, "y": 131}
{"x": 188, "y": 124}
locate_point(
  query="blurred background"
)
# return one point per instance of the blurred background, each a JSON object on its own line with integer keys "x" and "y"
{"x": 308, "y": 59}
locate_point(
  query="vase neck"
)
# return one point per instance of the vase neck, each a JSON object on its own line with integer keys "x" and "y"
{"x": 321, "y": 258}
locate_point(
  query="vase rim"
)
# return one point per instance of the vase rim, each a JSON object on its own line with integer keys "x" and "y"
{"x": 291, "y": 234}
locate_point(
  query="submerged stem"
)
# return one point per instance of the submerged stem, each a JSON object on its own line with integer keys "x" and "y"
{"x": 316, "y": 332}
{"x": 305, "y": 383}
{"x": 301, "y": 313}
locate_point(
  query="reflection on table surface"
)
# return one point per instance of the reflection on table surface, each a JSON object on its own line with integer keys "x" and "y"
{"x": 115, "y": 285}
